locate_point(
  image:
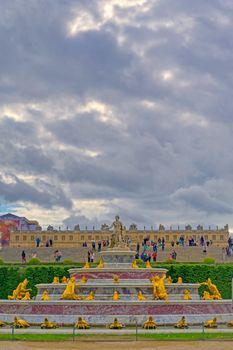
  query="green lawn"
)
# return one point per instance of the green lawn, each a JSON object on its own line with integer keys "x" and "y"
{"x": 96, "y": 337}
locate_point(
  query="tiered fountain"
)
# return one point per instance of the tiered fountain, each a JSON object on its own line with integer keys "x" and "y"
{"x": 117, "y": 275}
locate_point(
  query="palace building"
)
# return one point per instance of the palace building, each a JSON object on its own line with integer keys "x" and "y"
{"x": 77, "y": 237}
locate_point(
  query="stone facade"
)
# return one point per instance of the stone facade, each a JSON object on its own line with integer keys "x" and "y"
{"x": 76, "y": 238}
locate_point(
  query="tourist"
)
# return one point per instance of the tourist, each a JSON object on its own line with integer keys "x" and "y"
{"x": 138, "y": 248}
{"x": 37, "y": 241}
{"x": 92, "y": 257}
{"x": 34, "y": 255}
{"x": 99, "y": 246}
{"x": 23, "y": 255}
{"x": 50, "y": 242}
{"x": 89, "y": 256}
{"x": 154, "y": 256}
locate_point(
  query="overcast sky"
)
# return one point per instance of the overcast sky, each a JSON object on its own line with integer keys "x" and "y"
{"x": 117, "y": 107}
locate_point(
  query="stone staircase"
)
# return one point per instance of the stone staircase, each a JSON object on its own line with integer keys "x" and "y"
{"x": 185, "y": 254}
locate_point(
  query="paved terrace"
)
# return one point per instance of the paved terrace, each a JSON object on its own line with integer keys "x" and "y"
{"x": 184, "y": 254}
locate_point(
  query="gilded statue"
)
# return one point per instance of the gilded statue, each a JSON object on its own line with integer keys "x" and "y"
{"x": 211, "y": 323}
{"x": 168, "y": 280}
{"x": 82, "y": 324}
{"x": 149, "y": 324}
{"x": 87, "y": 265}
{"x": 69, "y": 292}
{"x": 47, "y": 324}
{"x": 100, "y": 265}
{"x": 55, "y": 280}
{"x": 90, "y": 296}
{"x": 181, "y": 323}
{"x": 159, "y": 290}
{"x": 19, "y": 323}
{"x": 45, "y": 295}
{"x": 117, "y": 235}
{"x": 115, "y": 296}
{"x": 148, "y": 265}
{"x": 206, "y": 296}
{"x": 116, "y": 279}
{"x": 2, "y": 324}
{"x": 83, "y": 279}
{"x": 213, "y": 289}
{"x": 141, "y": 296}
{"x": 230, "y": 324}
{"x": 180, "y": 280}
{"x": 64, "y": 279}
{"x": 20, "y": 291}
{"x": 134, "y": 264}
{"x": 186, "y": 295}
{"x": 116, "y": 324}
{"x": 26, "y": 296}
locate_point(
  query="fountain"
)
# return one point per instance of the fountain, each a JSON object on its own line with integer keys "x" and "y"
{"x": 117, "y": 288}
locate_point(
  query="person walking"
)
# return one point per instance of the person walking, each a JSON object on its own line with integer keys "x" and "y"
{"x": 23, "y": 255}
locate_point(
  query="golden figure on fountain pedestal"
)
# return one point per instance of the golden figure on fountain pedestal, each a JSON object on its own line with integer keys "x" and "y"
{"x": 55, "y": 279}
{"x": 47, "y": 324}
{"x": 87, "y": 265}
{"x": 115, "y": 295}
{"x": 180, "y": 280}
{"x": 45, "y": 295}
{"x": 82, "y": 324}
{"x": 90, "y": 296}
{"x": 20, "y": 291}
{"x": 101, "y": 264}
{"x": 116, "y": 279}
{"x": 148, "y": 265}
{"x": 149, "y": 324}
{"x": 116, "y": 324}
{"x": 134, "y": 264}
{"x": 168, "y": 280}
{"x": 215, "y": 294}
{"x": 19, "y": 323}
{"x": 186, "y": 295}
{"x": 159, "y": 290}
{"x": 2, "y": 324}
{"x": 26, "y": 296}
{"x": 181, "y": 323}
{"x": 83, "y": 279}
{"x": 64, "y": 279}
{"x": 141, "y": 296}
{"x": 69, "y": 292}
{"x": 211, "y": 323}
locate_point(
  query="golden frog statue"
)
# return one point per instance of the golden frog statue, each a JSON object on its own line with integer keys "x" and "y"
{"x": 82, "y": 324}
{"x": 55, "y": 280}
{"x": 47, "y": 324}
{"x": 116, "y": 324}
{"x": 115, "y": 296}
{"x": 26, "y": 296}
{"x": 148, "y": 265}
{"x": 2, "y": 323}
{"x": 186, "y": 295}
{"x": 206, "y": 296}
{"x": 45, "y": 295}
{"x": 64, "y": 279}
{"x": 149, "y": 324}
{"x": 181, "y": 323}
{"x": 100, "y": 265}
{"x": 211, "y": 323}
{"x": 180, "y": 280}
{"x": 115, "y": 279}
{"x": 168, "y": 280}
{"x": 87, "y": 265}
{"x": 230, "y": 324}
{"x": 19, "y": 323}
{"x": 90, "y": 296}
{"x": 141, "y": 296}
{"x": 134, "y": 264}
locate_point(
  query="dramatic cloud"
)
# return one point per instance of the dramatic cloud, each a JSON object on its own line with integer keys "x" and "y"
{"x": 117, "y": 107}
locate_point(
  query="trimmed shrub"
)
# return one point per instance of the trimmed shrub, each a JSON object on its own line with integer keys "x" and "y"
{"x": 67, "y": 261}
{"x": 34, "y": 261}
{"x": 208, "y": 260}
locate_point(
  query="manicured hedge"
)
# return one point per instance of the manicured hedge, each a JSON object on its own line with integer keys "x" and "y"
{"x": 191, "y": 273}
